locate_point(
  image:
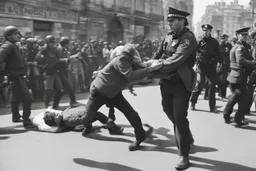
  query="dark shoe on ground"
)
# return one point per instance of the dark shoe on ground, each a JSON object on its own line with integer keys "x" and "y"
{"x": 183, "y": 163}
{"x": 241, "y": 123}
{"x": 28, "y": 124}
{"x": 193, "y": 106}
{"x": 136, "y": 144}
{"x": 87, "y": 130}
{"x": 114, "y": 129}
{"x": 214, "y": 110}
{"x": 74, "y": 104}
{"x": 16, "y": 120}
{"x": 227, "y": 119}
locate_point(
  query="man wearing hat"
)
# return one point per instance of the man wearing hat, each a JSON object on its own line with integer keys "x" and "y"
{"x": 178, "y": 52}
{"x": 208, "y": 54}
{"x": 223, "y": 66}
{"x": 12, "y": 64}
{"x": 240, "y": 62}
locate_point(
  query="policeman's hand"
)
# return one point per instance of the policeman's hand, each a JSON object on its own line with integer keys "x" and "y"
{"x": 149, "y": 62}
{"x": 156, "y": 65}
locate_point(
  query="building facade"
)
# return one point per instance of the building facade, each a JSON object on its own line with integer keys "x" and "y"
{"x": 226, "y": 18}
{"x": 122, "y": 20}
{"x": 111, "y": 20}
{"x": 41, "y": 17}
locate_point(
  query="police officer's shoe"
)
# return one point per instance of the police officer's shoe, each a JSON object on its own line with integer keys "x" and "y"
{"x": 114, "y": 129}
{"x": 183, "y": 163}
{"x": 136, "y": 144}
{"x": 227, "y": 120}
{"x": 16, "y": 120}
{"x": 193, "y": 106}
{"x": 214, "y": 110}
{"x": 240, "y": 123}
{"x": 28, "y": 124}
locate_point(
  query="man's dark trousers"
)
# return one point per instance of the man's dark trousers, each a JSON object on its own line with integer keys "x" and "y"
{"x": 209, "y": 71}
{"x": 239, "y": 95}
{"x": 96, "y": 100}
{"x": 67, "y": 85}
{"x": 20, "y": 95}
{"x": 175, "y": 102}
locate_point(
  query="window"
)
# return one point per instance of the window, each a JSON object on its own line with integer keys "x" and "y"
{"x": 140, "y": 5}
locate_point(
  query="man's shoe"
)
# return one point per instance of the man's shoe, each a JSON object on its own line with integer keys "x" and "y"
{"x": 227, "y": 119}
{"x": 114, "y": 129}
{"x": 16, "y": 120}
{"x": 193, "y": 106}
{"x": 74, "y": 104}
{"x": 136, "y": 144}
{"x": 87, "y": 130}
{"x": 28, "y": 124}
{"x": 241, "y": 123}
{"x": 183, "y": 164}
{"x": 214, "y": 110}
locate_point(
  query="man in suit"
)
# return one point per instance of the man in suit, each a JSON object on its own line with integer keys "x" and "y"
{"x": 240, "y": 63}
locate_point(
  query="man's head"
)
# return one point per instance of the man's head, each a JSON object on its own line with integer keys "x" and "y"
{"x": 130, "y": 50}
{"x": 177, "y": 19}
{"x": 93, "y": 43}
{"x": 12, "y": 34}
{"x": 207, "y": 29}
{"x": 252, "y": 34}
{"x": 242, "y": 34}
{"x": 106, "y": 45}
{"x": 53, "y": 117}
{"x": 50, "y": 41}
{"x": 31, "y": 43}
{"x": 64, "y": 41}
{"x": 223, "y": 38}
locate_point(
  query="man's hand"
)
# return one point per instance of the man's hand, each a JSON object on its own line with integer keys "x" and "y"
{"x": 156, "y": 65}
{"x": 149, "y": 62}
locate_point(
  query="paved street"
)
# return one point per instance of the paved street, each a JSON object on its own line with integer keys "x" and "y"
{"x": 219, "y": 147}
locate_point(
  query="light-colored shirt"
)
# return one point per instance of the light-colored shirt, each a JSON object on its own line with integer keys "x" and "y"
{"x": 117, "y": 51}
{"x": 38, "y": 121}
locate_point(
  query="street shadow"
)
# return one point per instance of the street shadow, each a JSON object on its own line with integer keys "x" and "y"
{"x": 12, "y": 130}
{"x": 103, "y": 165}
{"x": 249, "y": 127}
{"x": 4, "y": 137}
{"x": 251, "y": 121}
{"x": 207, "y": 111}
{"x": 100, "y": 137}
{"x": 215, "y": 165}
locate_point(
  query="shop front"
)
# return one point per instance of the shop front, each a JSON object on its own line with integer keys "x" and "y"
{"x": 37, "y": 19}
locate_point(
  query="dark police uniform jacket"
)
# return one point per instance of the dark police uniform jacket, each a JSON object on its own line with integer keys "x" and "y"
{"x": 240, "y": 63}
{"x": 11, "y": 60}
{"x": 178, "y": 53}
{"x": 208, "y": 51}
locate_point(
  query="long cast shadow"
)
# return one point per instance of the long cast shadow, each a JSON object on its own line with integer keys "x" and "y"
{"x": 215, "y": 165}
{"x": 12, "y": 130}
{"x": 4, "y": 137}
{"x": 103, "y": 165}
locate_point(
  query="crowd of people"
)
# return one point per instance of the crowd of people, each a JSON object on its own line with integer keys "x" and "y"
{"x": 184, "y": 66}
{"x": 78, "y": 61}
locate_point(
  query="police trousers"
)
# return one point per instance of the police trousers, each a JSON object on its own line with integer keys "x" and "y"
{"x": 175, "y": 102}
{"x": 209, "y": 72}
{"x": 67, "y": 85}
{"x": 96, "y": 100}
{"x": 19, "y": 95}
{"x": 239, "y": 95}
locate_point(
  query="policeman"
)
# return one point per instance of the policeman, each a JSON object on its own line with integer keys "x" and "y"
{"x": 63, "y": 69}
{"x": 208, "y": 54}
{"x": 12, "y": 63}
{"x": 49, "y": 58}
{"x": 32, "y": 69}
{"x": 223, "y": 65}
{"x": 178, "y": 52}
{"x": 240, "y": 63}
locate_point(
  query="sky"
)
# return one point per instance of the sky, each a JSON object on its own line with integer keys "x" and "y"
{"x": 200, "y": 5}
